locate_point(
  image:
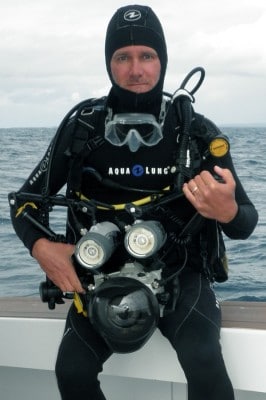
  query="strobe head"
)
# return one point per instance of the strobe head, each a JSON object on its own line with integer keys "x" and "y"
{"x": 97, "y": 245}
{"x": 144, "y": 238}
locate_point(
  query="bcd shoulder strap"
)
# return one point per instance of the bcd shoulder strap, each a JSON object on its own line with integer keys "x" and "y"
{"x": 85, "y": 138}
{"x": 85, "y": 124}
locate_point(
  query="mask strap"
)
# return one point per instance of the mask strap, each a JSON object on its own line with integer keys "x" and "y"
{"x": 162, "y": 112}
{"x": 109, "y": 116}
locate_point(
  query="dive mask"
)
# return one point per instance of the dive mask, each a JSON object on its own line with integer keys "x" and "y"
{"x": 133, "y": 130}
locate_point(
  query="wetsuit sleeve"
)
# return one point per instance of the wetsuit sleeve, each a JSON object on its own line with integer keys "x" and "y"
{"x": 36, "y": 184}
{"x": 246, "y": 219}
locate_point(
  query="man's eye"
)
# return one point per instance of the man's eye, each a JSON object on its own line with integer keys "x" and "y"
{"x": 121, "y": 58}
{"x": 149, "y": 56}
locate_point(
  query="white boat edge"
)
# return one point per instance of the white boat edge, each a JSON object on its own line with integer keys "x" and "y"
{"x": 30, "y": 335}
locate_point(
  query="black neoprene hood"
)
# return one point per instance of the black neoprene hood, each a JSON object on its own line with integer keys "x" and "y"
{"x": 136, "y": 25}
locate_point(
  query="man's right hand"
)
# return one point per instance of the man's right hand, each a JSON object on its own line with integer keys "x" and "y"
{"x": 55, "y": 259}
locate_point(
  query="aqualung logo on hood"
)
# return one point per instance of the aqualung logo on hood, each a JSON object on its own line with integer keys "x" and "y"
{"x": 132, "y": 15}
{"x": 139, "y": 170}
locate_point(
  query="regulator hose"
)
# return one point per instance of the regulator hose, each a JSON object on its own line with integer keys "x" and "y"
{"x": 182, "y": 99}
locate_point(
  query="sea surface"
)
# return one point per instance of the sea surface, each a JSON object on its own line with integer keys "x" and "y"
{"x": 22, "y": 148}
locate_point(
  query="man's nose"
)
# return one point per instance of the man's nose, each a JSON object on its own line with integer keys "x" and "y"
{"x": 136, "y": 68}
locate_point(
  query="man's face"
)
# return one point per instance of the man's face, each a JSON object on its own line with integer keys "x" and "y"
{"x": 136, "y": 68}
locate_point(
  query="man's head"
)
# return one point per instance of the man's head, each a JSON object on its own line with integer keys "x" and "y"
{"x": 136, "y": 68}
{"x": 136, "y": 26}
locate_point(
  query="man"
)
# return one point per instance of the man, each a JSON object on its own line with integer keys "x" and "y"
{"x": 137, "y": 157}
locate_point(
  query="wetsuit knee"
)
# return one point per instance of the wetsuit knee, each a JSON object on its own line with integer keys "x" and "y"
{"x": 81, "y": 355}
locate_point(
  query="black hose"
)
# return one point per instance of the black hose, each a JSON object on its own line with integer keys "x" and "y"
{"x": 189, "y": 76}
{"x": 182, "y": 98}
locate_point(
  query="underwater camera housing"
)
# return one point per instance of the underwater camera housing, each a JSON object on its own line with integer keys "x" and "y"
{"x": 123, "y": 306}
{"x": 142, "y": 240}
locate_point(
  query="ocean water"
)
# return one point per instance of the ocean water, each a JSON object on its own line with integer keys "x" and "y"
{"x": 21, "y": 149}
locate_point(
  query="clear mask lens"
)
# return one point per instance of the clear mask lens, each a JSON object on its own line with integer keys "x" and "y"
{"x": 133, "y": 130}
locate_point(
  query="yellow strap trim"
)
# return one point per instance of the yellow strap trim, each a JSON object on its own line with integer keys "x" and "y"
{"x": 122, "y": 206}
{"x": 79, "y": 305}
{"x": 22, "y": 208}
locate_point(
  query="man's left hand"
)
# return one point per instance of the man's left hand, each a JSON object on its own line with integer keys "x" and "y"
{"x": 212, "y": 198}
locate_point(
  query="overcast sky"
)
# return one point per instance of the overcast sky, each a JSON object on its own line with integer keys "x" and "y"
{"x": 52, "y": 56}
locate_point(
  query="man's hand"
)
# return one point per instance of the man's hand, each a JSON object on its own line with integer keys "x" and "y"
{"x": 55, "y": 259}
{"x": 211, "y": 198}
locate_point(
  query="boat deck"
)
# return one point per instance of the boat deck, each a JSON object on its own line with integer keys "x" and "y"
{"x": 236, "y": 314}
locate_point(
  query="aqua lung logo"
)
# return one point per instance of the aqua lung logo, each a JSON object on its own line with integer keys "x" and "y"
{"x": 42, "y": 169}
{"x": 132, "y": 15}
{"x": 141, "y": 170}
{"x": 138, "y": 170}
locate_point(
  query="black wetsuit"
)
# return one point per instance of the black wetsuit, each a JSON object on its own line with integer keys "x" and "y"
{"x": 193, "y": 328}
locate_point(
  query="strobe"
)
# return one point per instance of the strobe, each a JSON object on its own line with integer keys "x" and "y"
{"x": 144, "y": 238}
{"x": 97, "y": 245}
